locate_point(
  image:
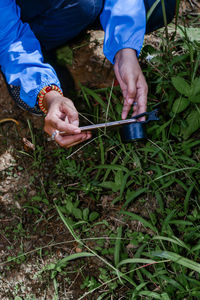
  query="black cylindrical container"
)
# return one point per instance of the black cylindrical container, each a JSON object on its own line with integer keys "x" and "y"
{"x": 133, "y": 132}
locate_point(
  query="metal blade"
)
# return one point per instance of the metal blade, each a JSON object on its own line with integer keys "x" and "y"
{"x": 105, "y": 125}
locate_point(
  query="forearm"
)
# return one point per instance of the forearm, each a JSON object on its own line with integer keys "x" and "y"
{"x": 21, "y": 59}
{"x": 124, "y": 24}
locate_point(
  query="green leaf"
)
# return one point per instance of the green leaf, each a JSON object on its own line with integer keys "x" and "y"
{"x": 110, "y": 167}
{"x": 63, "y": 261}
{"x": 96, "y": 97}
{"x": 180, "y": 105}
{"x": 194, "y": 98}
{"x": 150, "y": 295}
{"x": 110, "y": 185}
{"x": 190, "y": 264}
{"x": 77, "y": 213}
{"x": 86, "y": 213}
{"x": 65, "y": 55}
{"x": 69, "y": 206}
{"x": 93, "y": 216}
{"x": 118, "y": 246}
{"x": 195, "y": 87}
{"x": 136, "y": 261}
{"x": 133, "y": 195}
{"x": 172, "y": 282}
{"x": 181, "y": 86}
{"x": 119, "y": 178}
{"x": 151, "y": 9}
{"x": 140, "y": 219}
{"x": 174, "y": 240}
{"x": 193, "y": 121}
{"x": 196, "y": 247}
{"x": 187, "y": 198}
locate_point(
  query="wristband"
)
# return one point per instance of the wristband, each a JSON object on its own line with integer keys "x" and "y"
{"x": 43, "y": 92}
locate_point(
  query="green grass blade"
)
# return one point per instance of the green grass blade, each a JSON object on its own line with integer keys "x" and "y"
{"x": 178, "y": 259}
{"x": 152, "y": 8}
{"x": 187, "y": 198}
{"x": 150, "y": 295}
{"x": 140, "y": 219}
{"x": 73, "y": 257}
{"x": 109, "y": 167}
{"x": 175, "y": 241}
{"x": 134, "y": 195}
{"x": 136, "y": 261}
{"x": 118, "y": 246}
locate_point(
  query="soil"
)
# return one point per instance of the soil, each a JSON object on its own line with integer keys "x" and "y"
{"x": 16, "y": 187}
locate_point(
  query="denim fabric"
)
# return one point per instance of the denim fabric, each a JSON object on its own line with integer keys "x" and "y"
{"x": 56, "y": 21}
{"x": 60, "y": 20}
{"x": 156, "y": 20}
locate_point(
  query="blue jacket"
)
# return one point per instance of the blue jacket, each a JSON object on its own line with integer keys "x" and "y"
{"x": 21, "y": 59}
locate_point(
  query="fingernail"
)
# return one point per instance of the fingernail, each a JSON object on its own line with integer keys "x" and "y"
{"x": 75, "y": 123}
{"x": 77, "y": 130}
{"x": 123, "y": 115}
{"x": 130, "y": 101}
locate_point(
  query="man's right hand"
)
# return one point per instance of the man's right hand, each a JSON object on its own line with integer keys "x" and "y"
{"x": 63, "y": 116}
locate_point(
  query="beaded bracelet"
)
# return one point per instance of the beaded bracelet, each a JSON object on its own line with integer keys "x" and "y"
{"x": 43, "y": 92}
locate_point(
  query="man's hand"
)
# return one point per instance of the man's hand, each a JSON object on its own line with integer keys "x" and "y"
{"x": 63, "y": 116}
{"x": 132, "y": 82}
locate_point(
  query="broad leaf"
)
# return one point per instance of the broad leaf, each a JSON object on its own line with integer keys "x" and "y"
{"x": 194, "y": 98}
{"x": 77, "y": 213}
{"x": 181, "y": 86}
{"x": 180, "y": 105}
{"x": 93, "y": 216}
{"x": 195, "y": 87}
{"x": 110, "y": 185}
{"x": 193, "y": 121}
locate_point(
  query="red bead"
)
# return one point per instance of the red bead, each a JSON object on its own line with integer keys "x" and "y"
{"x": 48, "y": 89}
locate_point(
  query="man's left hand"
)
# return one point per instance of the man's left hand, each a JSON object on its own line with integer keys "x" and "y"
{"x": 132, "y": 82}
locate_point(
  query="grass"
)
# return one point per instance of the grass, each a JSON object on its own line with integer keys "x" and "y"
{"x": 132, "y": 211}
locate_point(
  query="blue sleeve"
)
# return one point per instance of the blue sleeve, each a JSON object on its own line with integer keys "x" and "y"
{"x": 124, "y": 23}
{"x": 21, "y": 59}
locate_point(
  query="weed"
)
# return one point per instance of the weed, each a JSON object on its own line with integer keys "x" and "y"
{"x": 133, "y": 209}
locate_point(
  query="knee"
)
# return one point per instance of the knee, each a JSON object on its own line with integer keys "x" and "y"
{"x": 91, "y": 9}
{"x": 156, "y": 20}
{"x": 170, "y": 7}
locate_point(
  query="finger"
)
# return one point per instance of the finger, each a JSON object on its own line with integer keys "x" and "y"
{"x": 123, "y": 85}
{"x": 53, "y": 121}
{"x": 131, "y": 90}
{"x": 67, "y": 140}
{"x": 69, "y": 109}
{"x": 125, "y": 110}
{"x": 130, "y": 96}
{"x": 135, "y": 108}
{"x": 76, "y": 143}
{"x": 142, "y": 100}
{"x": 139, "y": 109}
